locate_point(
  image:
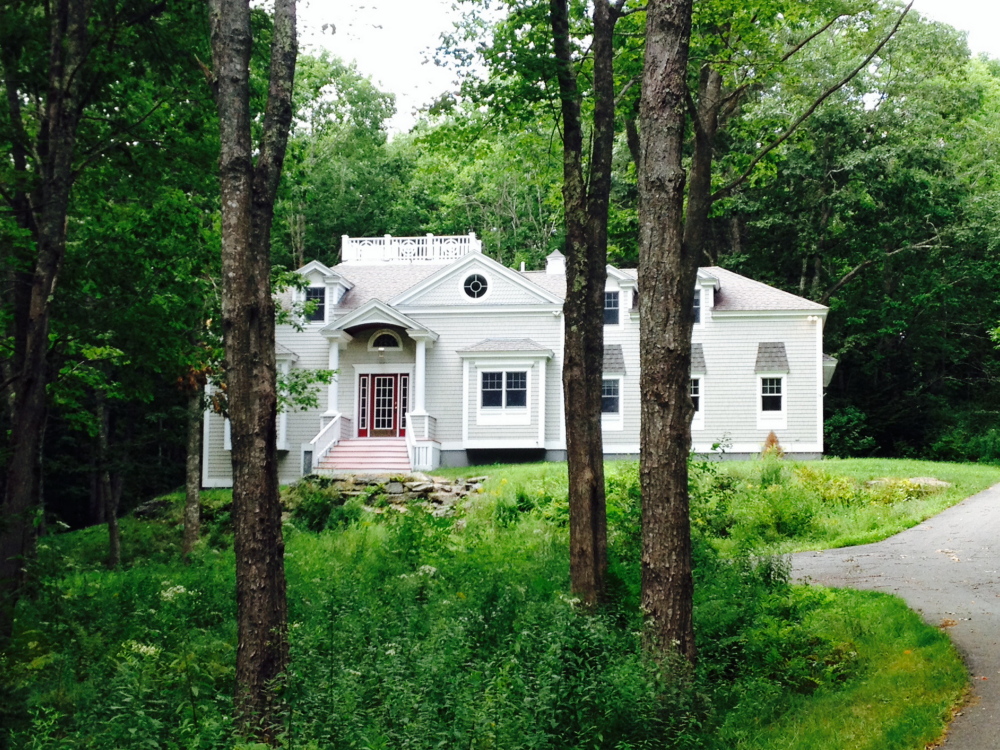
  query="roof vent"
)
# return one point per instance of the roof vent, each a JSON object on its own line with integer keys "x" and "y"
{"x": 555, "y": 264}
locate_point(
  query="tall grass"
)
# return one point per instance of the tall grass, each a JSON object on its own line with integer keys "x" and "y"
{"x": 410, "y": 630}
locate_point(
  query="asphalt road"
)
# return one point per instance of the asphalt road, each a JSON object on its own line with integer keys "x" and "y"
{"x": 948, "y": 570}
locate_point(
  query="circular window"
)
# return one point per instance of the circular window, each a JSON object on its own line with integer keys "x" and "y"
{"x": 475, "y": 286}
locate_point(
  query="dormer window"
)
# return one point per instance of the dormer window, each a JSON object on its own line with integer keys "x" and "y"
{"x": 317, "y": 297}
{"x": 697, "y": 306}
{"x": 611, "y": 308}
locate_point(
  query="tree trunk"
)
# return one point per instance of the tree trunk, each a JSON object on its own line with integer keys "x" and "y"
{"x": 192, "y": 469}
{"x": 45, "y": 216}
{"x": 109, "y": 497}
{"x": 667, "y": 273}
{"x": 586, "y": 216}
{"x": 248, "y": 194}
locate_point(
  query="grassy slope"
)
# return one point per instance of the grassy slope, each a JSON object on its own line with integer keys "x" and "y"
{"x": 904, "y": 676}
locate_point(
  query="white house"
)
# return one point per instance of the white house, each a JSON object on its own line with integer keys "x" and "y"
{"x": 447, "y": 358}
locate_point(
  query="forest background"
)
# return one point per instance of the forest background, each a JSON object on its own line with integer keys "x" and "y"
{"x": 883, "y": 205}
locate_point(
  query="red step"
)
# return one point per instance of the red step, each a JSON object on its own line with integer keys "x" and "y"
{"x": 368, "y": 455}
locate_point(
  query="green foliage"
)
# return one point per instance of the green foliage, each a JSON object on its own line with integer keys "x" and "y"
{"x": 415, "y": 630}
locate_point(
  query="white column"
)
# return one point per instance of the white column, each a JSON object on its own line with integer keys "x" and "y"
{"x": 420, "y": 376}
{"x": 333, "y": 389}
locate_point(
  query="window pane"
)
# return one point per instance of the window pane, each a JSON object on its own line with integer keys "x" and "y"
{"x": 611, "y": 308}
{"x": 517, "y": 389}
{"x": 770, "y": 394}
{"x": 610, "y": 401}
{"x": 386, "y": 341}
{"x": 318, "y": 296}
{"x": 492, "y": 389}
{"x": 697, "y": 306}
{"x": 695, "y": 391}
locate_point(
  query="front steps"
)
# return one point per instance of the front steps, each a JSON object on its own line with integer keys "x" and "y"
{"x": 368, "y": 455}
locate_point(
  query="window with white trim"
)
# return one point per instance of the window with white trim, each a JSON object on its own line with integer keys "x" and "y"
{"x": 771, "y": 395}
{"x": 772, "y": 401}
{"x": 611, "y": 396}
{"x": 697, "y": 306}
{"x": 612, "y": 402}
{"x": 316, "y": 295}
{"x": 611, "y": 308}
{"x": 697, "y": 395}
{"x": 504, "y": 390}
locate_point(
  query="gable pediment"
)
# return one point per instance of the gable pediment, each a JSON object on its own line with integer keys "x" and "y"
{"x": 376, "y": 313}
{"x": 497, "y": 285}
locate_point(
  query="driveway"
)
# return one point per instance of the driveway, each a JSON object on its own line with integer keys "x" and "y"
{"x": 948, "y": 570}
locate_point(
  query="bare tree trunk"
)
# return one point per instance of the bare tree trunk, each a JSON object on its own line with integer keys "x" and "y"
{"x": 44, "y": 214}
{"x": 248, "y": 194}
{"x": 586, "y": 216}
{"x": 667, "y": 273}
{"x": 192, "y": 468}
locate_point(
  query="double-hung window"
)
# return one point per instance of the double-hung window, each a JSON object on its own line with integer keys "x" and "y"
{"x": 316, "y": 298}
{"x": 697, "y": 306}
{"x": 611, "y": 308}
{"x": 505, "y": 390}
{"x": 697, "y": 394}
{"x": 771, "y": 394}
{"x": 611, "y": 397}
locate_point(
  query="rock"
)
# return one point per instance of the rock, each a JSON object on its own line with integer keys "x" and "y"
{"x": 394, "y": 488}
{"x": 929, "y": 482}
{"x": 152, "y": 509}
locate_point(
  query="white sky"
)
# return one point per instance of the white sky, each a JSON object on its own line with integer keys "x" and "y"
{"x": 393, "y": 41}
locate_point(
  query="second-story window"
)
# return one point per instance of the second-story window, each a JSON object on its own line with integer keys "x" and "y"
{"x": 697, "y": 306}
{"x": 611, "y": 308}
{"x": 317, "y": 296}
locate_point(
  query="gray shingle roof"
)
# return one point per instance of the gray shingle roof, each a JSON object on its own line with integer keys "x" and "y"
{"x": 614, "y": 360}
{"x": 505, "y": 345}
{"x": 382, "y": 282}
{"x": 697, "y": 358}
{"x": 387, "y": 281}
{"x": 737, "y": 292}
{"x": 771, "y": 357}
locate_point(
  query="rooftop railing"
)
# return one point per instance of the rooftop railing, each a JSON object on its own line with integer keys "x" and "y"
{"x": 389, "y": 249}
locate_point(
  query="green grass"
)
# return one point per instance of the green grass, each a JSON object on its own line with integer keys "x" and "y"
{"x": 827, "y": 504}
{"x": 420, "y": 632}
{"x": 902, "y": 700}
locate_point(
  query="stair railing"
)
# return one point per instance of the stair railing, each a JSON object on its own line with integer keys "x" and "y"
{"x": 333, "y": 432}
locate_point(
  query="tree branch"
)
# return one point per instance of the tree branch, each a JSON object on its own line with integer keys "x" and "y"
{"x": 853, "y": 273}
{"x": 727, "y": 189}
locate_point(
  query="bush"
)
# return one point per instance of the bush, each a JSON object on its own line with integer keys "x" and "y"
{"x": 846, "y": 434}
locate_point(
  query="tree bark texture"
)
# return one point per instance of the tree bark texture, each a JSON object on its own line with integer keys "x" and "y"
{"x": 667, "y": 273}
{"x": 586, "y": 216}
{"x": 248, "y": 194}
{"x": 43, "y": 212}
{"x": 192, "y": 473}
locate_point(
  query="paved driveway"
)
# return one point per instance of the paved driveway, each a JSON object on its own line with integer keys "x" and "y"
{"x": 948, "y": 570}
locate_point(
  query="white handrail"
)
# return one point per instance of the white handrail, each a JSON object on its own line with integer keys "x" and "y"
{"x": 389, "y": 249}
{"x": 323, "y": 442}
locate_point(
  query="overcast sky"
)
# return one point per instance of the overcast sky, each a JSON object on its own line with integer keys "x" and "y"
{"x": 393, "y": 41}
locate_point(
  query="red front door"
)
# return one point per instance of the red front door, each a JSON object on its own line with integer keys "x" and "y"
{"x": 382, "y": 405}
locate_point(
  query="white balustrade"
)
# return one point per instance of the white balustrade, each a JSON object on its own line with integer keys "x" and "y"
{"x": 389, "y": 249}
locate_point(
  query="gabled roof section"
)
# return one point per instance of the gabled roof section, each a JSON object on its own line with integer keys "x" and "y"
{"x": 457, "y": 271}
{"x": 283, "y": 354}
{"x": 329, "y": 275}
{"x": 738, "y": 293}
{"x": 382, "y": 282}
{"x": 374, "y": 312}
{"x": 625, "y": 280}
